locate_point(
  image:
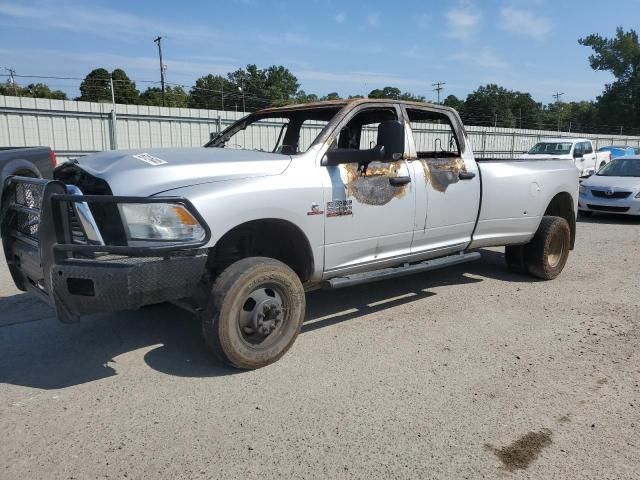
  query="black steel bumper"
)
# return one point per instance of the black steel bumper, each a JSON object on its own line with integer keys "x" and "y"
{"x": 47, "y": 257}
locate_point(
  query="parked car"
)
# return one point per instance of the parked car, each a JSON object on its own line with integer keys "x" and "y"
{"x": 580, "y": 150}
{"x": 237, "y": 235}
{"x": 37, "y": 162}
{"x": 614, "y": 189}
{"x": 618, "y": 151}
{"x": 27, "y": 162}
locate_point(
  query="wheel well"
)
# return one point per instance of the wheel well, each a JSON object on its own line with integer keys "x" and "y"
{"x": 273, "y": 238}
{"x": 562, "y": 206}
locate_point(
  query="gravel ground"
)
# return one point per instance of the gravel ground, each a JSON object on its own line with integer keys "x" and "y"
{"x": 470, "y": 372}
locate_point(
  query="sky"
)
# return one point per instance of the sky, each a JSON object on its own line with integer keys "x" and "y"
{"x": 350, "y": 47}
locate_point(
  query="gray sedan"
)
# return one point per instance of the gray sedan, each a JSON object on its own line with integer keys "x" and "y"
{"x": 614, "y": 189}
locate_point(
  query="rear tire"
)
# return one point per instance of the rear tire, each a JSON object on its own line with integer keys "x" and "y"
{"x": 547, "y": 253}
{"x": 514, "y": 256}
{"x": 255, "y": 312}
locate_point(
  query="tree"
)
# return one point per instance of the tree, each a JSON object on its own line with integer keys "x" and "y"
{"x": 620, "y": 102}
{"x": 125, "y": 90}
{"x": 258, "y": 88}
{"x": 489, "y": 105}
{"x": 303, "y": 97}
{"x": 173, "y": 97}
{"x": 213, "y": 92}
{"x": 95, "y": 87}
{"x": 332, "y": 96}
{"x": 395, "y": 94}
{"x": 454, "y": 102}
{"x": 34, "y": 90}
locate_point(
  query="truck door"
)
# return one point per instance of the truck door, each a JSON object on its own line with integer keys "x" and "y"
{"x": 590, "y": 156}
{"x": 368, "y": 209}
{"x": 447, "y": 182}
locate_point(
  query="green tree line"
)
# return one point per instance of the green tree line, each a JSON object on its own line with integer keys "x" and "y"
{"x": 616, "y": 110}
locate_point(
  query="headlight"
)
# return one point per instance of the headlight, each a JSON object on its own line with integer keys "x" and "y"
{"x": 160, "y": 221}
{"x": 582, "y": 189}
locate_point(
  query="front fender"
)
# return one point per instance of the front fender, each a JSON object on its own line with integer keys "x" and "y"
{"x": 226, "y": 205}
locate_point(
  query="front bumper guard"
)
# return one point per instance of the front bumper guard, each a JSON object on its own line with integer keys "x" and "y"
{"x": 45, "y": 258}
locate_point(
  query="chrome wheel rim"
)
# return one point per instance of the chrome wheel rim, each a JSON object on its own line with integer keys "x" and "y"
{"x": 556, "y": 250}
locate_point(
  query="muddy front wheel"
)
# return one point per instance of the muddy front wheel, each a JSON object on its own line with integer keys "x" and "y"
{"x": 255, "y": 314}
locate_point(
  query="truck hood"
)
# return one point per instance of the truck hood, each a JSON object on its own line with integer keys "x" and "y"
{"x": 152, "y": 171}
{"x": 627, "y": 183}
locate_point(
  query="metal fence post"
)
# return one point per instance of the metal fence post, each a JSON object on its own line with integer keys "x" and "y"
{"x": 513, "y": 143}
{"x": 218, "y": 124}
{"x": 114, "y": 119}
{"x": 484, "y": 142}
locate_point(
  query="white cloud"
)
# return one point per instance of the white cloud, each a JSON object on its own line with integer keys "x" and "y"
{"x": 340, "y": 17}
{"x": 104, "y": 22}
{"x": 362, "y": 78}
{"x": 373, "y": 19}
{"x": 462, "y": 20}
{"x": 483, "y": 59}
{"x": 524, "y": 22}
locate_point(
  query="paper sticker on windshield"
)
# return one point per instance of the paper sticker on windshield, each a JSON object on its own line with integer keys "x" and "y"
{"x": 150, "y": 159}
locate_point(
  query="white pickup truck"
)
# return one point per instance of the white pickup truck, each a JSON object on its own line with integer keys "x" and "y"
{"x": 581, "y": 150}
{"x": 286, "y": 200}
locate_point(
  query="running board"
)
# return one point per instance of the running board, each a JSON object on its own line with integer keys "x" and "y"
{"x": 406, "y": 269}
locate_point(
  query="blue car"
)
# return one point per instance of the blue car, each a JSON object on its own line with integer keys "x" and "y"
{"x": 618, "y": 151}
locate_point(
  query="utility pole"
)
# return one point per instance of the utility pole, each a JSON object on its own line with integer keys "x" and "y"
{"x": 557, "y": 97}
{"x": 242, "y": 90}
{"x": 158, "y": 41}
{"x": 439, "y": 88}
{"x": 12, "y": 74}
{"x": 222, "y": 92}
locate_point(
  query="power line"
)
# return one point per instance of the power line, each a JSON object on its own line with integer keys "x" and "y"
{"x": 439, "y": 87}
{"x": 12, "y": 75}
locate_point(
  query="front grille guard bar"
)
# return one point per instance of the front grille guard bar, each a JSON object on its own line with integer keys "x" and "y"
{"x": 54, "y": 232}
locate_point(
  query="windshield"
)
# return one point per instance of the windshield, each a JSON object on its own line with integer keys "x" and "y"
{"x": 621, "y": 167}
{"x": 290, "y": 132}
{"x": 551, "y": 148}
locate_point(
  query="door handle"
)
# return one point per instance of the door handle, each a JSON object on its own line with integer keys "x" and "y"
{"x": 466, "y": 175}
{"x": 399, "y": 181}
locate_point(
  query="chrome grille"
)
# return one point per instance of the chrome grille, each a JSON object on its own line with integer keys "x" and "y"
{"x": 606, "y": 194}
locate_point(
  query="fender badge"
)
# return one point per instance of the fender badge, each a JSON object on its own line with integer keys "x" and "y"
{"x": 150, "y": 159}
{"x": 315, "y": 210}
{"x": 340, "y": 208}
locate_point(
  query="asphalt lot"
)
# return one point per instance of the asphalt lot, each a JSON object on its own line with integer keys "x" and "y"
{"x": 470, "y": 372}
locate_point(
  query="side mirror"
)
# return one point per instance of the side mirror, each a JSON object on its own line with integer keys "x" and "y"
{"x": 344, "y": 155}
{"x": 213, "y": 136}
{"x": 391, "y": 137}
{"x": 577, "y": 154}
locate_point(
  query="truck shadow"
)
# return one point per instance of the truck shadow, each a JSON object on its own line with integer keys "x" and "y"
{"x": 39, "y": 352}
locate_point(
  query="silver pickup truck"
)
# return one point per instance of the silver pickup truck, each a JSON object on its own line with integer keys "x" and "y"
{"x": 285, "y": 200}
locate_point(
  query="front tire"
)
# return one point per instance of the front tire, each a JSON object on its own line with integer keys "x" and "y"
{"x": 255, "y": 312}
{"x": 547, "y": 253}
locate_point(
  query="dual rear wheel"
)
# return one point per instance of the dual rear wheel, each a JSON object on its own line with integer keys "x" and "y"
{"x": 546, "y": 254}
